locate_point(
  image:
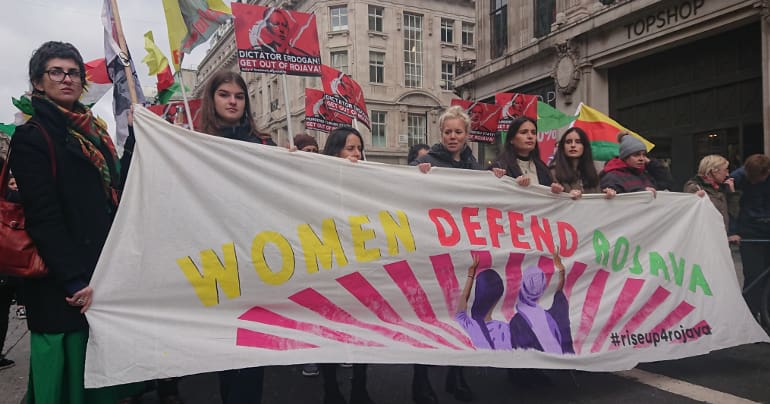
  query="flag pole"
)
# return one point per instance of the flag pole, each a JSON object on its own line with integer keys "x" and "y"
{"x": 288, "y": 113}
{"x": 124, "y": 58}
{"x": 190, "y": 123}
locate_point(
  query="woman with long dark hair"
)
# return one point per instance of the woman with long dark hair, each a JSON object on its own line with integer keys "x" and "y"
{"x": 573, "y": 165}
{"x": 520, "y": 157}
{"x": 226, "y": 112}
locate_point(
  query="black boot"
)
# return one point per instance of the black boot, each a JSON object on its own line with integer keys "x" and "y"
{"x": 456, "y": 384}
{"x": 358, "y": 393}
{"x": 422, "y": 392}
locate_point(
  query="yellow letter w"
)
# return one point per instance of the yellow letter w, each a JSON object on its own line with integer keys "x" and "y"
{"x": 205, "y": 283}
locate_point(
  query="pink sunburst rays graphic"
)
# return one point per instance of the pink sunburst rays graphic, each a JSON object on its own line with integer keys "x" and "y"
{"x": 591, "y": 306}
{"x": 314, "y": 301}
{"x": 649, "y": 307}
{"x": 370, "y": 297}
{"x": 403, "y": 275}
{"x": 512, "y": 284}
{"x": 255, "y": 339}
{"x": 672, "y": 319}
{"x": 631, "y": 289}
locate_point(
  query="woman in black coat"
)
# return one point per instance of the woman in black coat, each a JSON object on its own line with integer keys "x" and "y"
{"x": 68, "y": 175}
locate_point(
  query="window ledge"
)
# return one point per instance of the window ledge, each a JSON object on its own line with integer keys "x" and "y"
{"x": 382, "y": 35}
{"x": 448, "y": 45}
{"x": 469, "y": 47}
{"x": 342, "y": 32}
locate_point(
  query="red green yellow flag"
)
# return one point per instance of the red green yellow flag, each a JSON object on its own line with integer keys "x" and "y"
{"x": 157, "y": 62}
{"x": 192, "y": 22}
{"x": 603, "y": 132}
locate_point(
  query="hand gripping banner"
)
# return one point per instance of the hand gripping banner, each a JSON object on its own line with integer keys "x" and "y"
{"x": 227, "y": 254}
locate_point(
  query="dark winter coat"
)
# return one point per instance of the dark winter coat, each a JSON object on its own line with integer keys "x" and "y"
{"x": 622, "y": 178}
{"x": 68, "y": 217}
{"x": 439, "y": 156}
{"x": 513, "y": 170}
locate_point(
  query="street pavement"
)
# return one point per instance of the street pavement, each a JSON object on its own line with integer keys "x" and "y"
{"x": 736, "y": 375}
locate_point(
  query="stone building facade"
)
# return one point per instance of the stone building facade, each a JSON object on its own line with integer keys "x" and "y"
{"x": 693, "y": 76}
{"x": 404, "y": 54}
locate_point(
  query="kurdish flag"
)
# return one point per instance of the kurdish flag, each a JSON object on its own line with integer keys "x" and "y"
{"x": 98, "y": 81}
{"x": 603, "y": 131}
{"x": 192, "y": 22}
{"x": 157, "y": 62}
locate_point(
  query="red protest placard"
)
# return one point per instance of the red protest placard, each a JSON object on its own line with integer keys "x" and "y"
{"x": 484, "y": 119}
{"x": 514, "y": 105}
{"x": 348, "y": 98}
{"x": 274, "y": 40}
{"x": 318, "y": 116}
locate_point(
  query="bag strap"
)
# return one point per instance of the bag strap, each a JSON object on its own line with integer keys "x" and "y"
{"x": 5, "y": 174}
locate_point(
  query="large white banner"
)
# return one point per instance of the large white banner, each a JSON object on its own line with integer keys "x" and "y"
{"x": 226, "y": 254}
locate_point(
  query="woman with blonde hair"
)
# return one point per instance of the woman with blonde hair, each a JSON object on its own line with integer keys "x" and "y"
{"x": 452, "y": 152}
{"x": 713, "y": 179}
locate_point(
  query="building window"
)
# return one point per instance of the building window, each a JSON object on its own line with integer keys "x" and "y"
{"x": 412, "y": 50}
{"x": 375, "y": 18}
{"x": 339, "y": 18}
{"x": 447, "y": 75}
{"x": 416, "y": 129}
{"x": 272, "y": 91}
{"x": 447, "y": 30}
{"x": 376, "y": 67}
{"x": 340, "y": 60}
{"x": 468, "y": 30}
{"x": 499, "y": 34}
{"x": 378, "y": 128}
{"x": 545, "y": 15}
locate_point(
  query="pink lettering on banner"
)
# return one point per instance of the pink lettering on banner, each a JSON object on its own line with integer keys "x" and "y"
{"x": 312, "y": 300}
{"x": 366, "y": 293}
{"x": 657, "y": 298}
{"x": 591, "y": 307}
{"x": 578, "y": 268}
{"x": 445, "y": 275}
{"x": 259, "y": 314}
{"x": 631, "y": 289}
{"x": 403, "y": 276}
{"x": 672, "y": 319}
{"x": 512, "y": 284}
{"x": 256, "y": 339}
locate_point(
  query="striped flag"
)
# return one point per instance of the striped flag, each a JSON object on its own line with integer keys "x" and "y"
{"x": 551, "y": 123}
{"x": 157, "y": 62}
{"x": 98, "y": 81}
{"x": 192, "y": 22}
{"x": 603, "y": 131}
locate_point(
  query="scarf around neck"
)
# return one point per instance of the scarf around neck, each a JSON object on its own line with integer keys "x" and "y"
{"x": 95, "y": 144}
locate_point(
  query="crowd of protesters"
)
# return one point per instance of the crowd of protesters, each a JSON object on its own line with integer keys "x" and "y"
{"x": 70, "y": 179}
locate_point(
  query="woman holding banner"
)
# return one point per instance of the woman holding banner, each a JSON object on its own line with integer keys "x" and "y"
{"x": 69, "y": 176}
{"x": 452, "y": 152}
{"x": 573, "y": 165}
{"x": 521, "y": 158}
{"x": 345, "y": 142}
{"x": 226, "y": 112}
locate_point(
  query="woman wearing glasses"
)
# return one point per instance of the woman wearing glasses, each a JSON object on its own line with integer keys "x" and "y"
{"x": 68, "y": 175}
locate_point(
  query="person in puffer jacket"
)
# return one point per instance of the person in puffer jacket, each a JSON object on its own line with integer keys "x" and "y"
{"x": 628, "y": 172}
